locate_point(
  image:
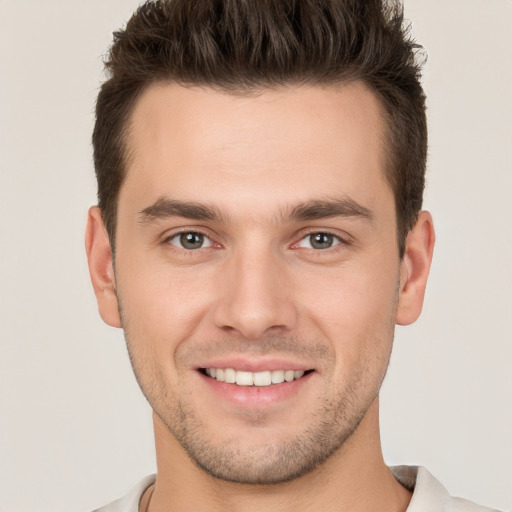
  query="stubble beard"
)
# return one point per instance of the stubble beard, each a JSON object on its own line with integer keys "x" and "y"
{"x": 332, "y": 423}
{"x": 269, "y": 463}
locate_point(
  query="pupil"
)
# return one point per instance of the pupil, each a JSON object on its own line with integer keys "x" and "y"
{"x": 191, "y": 240}
{"x": 321, "y": 240}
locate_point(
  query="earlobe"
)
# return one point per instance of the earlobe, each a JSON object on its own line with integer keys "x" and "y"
{"x": 415, "y": 268}
{"x": 101, "y": 270}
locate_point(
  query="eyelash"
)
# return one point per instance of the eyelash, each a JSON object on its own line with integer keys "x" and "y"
{"x": 339, "y": 241}
{"x": 167, "y": 240}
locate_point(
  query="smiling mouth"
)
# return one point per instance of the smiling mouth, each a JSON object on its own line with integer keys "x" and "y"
{"x": 258, "y": 379}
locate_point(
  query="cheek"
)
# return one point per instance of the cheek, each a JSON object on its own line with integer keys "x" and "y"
{"x": 161, "y": 307}
{"x": 355, "y": 309}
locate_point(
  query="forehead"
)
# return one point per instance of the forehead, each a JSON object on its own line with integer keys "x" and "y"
{"x": 279, "y": 145}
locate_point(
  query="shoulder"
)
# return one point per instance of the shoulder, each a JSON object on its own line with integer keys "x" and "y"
{"x": 129, "y": 502}
{"x": 429, "y": 495}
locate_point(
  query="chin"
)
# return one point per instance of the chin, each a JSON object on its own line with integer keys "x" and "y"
{"x": 263, "y": 456}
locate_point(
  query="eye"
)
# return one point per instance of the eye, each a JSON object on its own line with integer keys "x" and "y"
{"x": 319, "y": 241}
{"x": 190, "y": 240}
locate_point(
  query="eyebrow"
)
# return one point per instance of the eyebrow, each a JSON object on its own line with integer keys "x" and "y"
{"x": 165, "y": 208}
{"x": 310, "y": 210}
{"x": 324, "y": 209}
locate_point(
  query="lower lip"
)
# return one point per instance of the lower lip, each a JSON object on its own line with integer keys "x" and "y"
{"x": 251, "y": 396}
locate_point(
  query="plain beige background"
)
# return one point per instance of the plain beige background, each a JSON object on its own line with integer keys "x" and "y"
{"x": 75, "y": 431}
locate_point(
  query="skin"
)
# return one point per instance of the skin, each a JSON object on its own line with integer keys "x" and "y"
{"x": 263, "y": 173}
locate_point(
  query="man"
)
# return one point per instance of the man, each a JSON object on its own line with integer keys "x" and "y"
{"x": 259, "y": 233}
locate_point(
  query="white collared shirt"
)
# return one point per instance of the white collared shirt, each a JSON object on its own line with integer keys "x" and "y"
{"x": 428, "y": 494}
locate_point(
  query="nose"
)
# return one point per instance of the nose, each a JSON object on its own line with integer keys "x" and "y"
{"x": 255, "y": 296}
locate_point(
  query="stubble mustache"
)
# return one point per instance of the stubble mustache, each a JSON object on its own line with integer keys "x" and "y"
{"x": 269, "y": 346}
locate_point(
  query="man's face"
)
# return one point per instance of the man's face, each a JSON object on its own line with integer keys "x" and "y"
{"x": 256, "y": 238}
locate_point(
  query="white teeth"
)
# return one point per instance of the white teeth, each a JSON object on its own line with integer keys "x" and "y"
{"x": 289, "y": 375}
{"x": 229, "y": 375}
{"x": 242, "y": 378}
{"x": 262, "y": 378}
{"x": 277, "y": 376}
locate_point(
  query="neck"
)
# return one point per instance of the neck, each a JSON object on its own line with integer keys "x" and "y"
{"x": 354, "y": 478}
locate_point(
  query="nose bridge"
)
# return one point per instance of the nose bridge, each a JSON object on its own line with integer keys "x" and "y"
{"x": 255, "y": 294}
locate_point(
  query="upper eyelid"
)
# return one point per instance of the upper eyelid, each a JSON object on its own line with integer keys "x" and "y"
{"x": 341, "y": 241}
{"x": 166, "y": 241}
{"x": 171, "y": 233}
{"x": 343, "y": 236}
{"x": 324, "y": 231}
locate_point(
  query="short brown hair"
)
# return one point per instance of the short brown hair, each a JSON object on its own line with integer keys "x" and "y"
{"x": 244, "y": 45}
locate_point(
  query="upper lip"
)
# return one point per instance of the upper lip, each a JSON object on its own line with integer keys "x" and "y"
{"x": 255, "y": 365}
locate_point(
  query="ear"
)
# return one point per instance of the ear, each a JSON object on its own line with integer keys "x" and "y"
{"x": 414, "y": 269}
{"x": 99, "y": 257}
